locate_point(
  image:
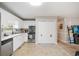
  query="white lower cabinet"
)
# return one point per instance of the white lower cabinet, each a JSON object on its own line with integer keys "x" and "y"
{"x": 25, "y": 35}
{"x": 17, "y": 42}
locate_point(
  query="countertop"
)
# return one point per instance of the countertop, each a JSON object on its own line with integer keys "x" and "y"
{"x": 11, "y": 36}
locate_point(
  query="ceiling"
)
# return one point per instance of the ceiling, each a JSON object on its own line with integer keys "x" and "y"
{"x": 25, "y": 11}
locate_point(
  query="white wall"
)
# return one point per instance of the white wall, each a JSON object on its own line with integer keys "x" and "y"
{"x": 45, "y": 19}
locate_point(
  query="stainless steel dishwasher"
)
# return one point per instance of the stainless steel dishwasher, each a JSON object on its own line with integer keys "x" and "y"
{"x": 7, "y": 47}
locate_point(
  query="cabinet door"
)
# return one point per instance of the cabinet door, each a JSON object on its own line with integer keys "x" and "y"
{"x": 25, "y": 36}
{"x": 17, "y": 42}
{"x": 52, "y": 32}
{"x": 47, "y": 32}
{"x": 42, "y": 32}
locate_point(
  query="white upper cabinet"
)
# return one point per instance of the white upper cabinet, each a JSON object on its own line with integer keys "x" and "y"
{"x": 9, "y": 19}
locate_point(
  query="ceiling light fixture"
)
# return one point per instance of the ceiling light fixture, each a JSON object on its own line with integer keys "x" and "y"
{"x": 35, "y": 3}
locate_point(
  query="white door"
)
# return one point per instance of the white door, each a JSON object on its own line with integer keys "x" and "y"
{"x": 47, "y": 32}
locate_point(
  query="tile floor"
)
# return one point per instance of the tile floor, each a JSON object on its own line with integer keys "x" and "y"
{"x": 32, "y": 49}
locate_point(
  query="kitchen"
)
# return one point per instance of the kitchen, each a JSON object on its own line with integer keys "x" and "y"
{"x": 14, "y": 30}
{"x": 19, "y": 28}
{"x": 11, "y": 26}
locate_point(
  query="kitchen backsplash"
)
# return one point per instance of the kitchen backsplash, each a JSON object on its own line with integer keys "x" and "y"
{"x": 9, "y": 30}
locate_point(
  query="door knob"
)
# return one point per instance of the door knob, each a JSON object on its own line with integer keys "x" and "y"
{"x": 50, "y": 35}
{"x": 41, "y": 35}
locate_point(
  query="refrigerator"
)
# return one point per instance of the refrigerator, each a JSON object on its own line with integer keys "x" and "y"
{"x": 31, "y": 34}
